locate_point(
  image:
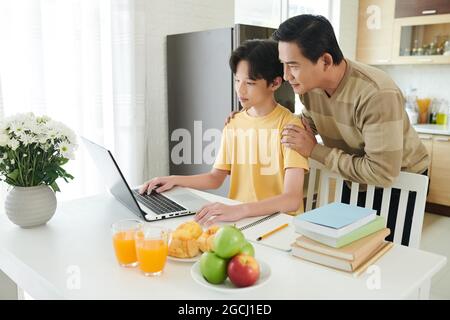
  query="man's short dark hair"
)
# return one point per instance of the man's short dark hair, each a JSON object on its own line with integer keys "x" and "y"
{"x": 313, "y": 34}
{"x": 262, "y": 57}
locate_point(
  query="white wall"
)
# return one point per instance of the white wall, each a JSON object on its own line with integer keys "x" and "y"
{"x": 429, "y": 80}
{"x": 344, "y": 17}
{"x": 165, "y": 17}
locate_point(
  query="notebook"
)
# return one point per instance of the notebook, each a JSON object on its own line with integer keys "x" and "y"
{"x": 281, "y": 240}
{"x": 335, "y": 219}
{"x": 373, "y": 226}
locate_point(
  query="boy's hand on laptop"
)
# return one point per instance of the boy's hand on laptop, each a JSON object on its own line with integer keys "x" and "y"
{"x": 216, "y": 212}
{"x": 159, "y": 184}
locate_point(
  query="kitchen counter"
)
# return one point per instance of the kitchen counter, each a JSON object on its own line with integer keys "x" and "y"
{"x": 432, "y": 129}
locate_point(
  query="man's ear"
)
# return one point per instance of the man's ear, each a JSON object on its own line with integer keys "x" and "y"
{"x": 327, "y": 61}
{"x": 276, "y": 83}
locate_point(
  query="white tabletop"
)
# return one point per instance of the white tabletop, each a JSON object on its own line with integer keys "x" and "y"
{"x": 72, "y": 258}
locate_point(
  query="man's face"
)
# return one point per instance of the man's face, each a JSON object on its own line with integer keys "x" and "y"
{"x": 302, "y": 74}
{"x": 250, "y": 92}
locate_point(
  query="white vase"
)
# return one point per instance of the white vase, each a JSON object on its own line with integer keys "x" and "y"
{"x": 30, "y": 206}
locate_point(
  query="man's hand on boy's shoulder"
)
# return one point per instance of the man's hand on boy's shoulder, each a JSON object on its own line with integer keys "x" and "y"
{"x": 299, "y": 139}
{"x": 231, "y": 116}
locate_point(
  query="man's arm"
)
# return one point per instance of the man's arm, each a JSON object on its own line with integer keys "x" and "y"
{"x": 381, "y": 123}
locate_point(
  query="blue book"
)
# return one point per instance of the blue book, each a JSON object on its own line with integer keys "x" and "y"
{"x": 335, "y": 219}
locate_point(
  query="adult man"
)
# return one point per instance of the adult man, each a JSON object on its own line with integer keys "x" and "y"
{"x": 356, "y": 109}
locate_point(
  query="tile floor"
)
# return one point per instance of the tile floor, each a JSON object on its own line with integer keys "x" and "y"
{"x": 436, "y": 238}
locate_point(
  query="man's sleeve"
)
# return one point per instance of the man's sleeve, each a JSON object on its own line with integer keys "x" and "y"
{"x": 223, "y": 159}
{"x": 380, "y": 120}
{"x": 292, "y": 159}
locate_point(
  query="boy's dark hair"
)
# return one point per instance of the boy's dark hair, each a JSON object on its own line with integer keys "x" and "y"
{"x": 313, "y": 34}
{"x": 262, "y": 57}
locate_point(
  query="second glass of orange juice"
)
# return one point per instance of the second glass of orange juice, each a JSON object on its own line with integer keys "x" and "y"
{"x": 124, "y": 241}
{"x": 152, "y": 246}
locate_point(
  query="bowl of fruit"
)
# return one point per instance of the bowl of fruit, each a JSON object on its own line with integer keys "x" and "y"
{"x": 230, "y": 264}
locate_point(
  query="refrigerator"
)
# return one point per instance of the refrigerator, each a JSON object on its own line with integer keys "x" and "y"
{"x": 201, "y": 95}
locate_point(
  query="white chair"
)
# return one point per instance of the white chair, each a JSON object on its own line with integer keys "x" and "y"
{"x": 405, "y": 182}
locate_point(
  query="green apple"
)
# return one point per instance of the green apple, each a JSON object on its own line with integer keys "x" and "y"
{"x": 248, "y": 249}
{"x": 213, "y": 268}
{"x": 228, "y": 241}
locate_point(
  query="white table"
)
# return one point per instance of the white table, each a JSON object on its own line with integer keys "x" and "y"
{"x": 72, "y": 258}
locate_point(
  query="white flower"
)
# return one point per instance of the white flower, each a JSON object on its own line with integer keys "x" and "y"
{"x": 4, "y": 139}
{"x": 66, "y": 150}
{"x": 27, "y": 139}
{"x": 13, "y": 144}
{"x": 13, "y": 162}
{"x": 7, "y": 167}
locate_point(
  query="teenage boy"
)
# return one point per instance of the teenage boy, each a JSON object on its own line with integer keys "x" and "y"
{"x": 264, "y": 175}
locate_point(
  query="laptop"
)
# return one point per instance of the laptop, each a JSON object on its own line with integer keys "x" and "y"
{"x": 156, "y": 206}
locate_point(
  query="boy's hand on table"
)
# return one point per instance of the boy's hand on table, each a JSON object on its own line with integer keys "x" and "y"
{"x": 216, "y": 212}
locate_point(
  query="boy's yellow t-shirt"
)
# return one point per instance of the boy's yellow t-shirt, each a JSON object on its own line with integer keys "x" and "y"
{"x": 251, "y": 150}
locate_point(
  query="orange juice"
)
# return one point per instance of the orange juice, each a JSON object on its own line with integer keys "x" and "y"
{"x": 124, "y": 245}
{"x": 152, "y": 255}
{"x": 423, "y": 105}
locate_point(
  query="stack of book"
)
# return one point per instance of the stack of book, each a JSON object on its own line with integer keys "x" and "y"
{"x": 340, "y": 236}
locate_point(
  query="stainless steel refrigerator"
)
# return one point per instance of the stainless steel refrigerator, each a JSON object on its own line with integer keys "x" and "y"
{"x": 201, "y": 93}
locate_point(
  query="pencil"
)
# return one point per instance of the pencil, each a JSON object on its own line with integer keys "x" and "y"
{"x": 272, "y": 232}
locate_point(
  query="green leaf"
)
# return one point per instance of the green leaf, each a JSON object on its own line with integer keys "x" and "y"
{"x": 55, "y": 187}
{"x": 13, "y": 175}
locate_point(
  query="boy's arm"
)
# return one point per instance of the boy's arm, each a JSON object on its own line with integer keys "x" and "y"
{"x": 210, "y": 180}
{"x": 289, "y": 200}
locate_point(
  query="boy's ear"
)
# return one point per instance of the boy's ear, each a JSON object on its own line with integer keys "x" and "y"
{"x": 276, "y": 83}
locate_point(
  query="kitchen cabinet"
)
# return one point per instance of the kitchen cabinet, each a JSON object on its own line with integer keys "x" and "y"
{"x": 427, "y": 140}
{"x": 375, "y": 27}
{"x": 440, "y": 172}
{"x": 411, "y": 8}
{"x": 421, "y": 40}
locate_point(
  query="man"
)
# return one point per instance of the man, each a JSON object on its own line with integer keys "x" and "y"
{"x": 356, "y": 109}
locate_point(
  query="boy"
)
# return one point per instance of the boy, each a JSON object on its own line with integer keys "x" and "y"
{"x": 265, "y": 176}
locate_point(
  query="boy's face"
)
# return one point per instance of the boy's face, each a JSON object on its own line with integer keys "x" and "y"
{"x": 250, "y": 92}
{"x": 302, "y": 74}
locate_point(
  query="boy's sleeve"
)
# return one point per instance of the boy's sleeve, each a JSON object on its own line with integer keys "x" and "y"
{"x": 292, "y": 159}
{"x": 223, "y": 159}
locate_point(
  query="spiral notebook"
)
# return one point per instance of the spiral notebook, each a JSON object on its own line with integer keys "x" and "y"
{"x": 281, "y": 240}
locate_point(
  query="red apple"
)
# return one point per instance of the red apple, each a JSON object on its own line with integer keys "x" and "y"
{"x": 243, "y": 270}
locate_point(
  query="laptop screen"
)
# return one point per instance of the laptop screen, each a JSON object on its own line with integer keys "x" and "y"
{"x": 112, "y": 175}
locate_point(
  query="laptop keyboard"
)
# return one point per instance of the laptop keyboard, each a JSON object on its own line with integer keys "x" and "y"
{"x": 159, "y": 203}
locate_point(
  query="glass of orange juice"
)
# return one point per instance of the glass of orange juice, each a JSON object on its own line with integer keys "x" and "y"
{"x": 124, "y": 241}
{"x": 152, "y": 246}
